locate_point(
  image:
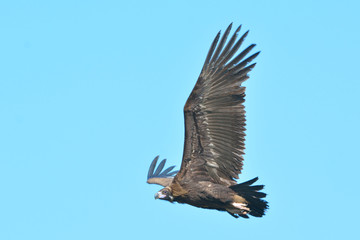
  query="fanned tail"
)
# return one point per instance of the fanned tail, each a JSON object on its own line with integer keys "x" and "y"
{"x": 252, "y": 195}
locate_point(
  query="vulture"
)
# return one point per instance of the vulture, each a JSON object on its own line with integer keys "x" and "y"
{"x": 214, "y": 137}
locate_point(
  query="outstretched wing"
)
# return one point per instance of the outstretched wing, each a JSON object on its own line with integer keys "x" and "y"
{"x": 215, "y": 116}
{"x": 158, "y": 176}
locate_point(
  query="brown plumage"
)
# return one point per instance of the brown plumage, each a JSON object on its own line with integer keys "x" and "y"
{"x": 214, "y": 137}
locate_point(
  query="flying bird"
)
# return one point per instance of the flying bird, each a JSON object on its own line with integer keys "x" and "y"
{"x": 214, "y": 137}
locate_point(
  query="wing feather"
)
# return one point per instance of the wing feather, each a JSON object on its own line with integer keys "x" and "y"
{"x": 215, "y": 115}
{"x": 157, "y": 176}
{"x": 228, "y": 51}
{"x": 221, "y": 43}
{"x": 152, "y": 167}
{"x": 160, "y": 167}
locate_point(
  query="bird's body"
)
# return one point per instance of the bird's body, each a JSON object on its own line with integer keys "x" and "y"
{"x": 203, "y": 194}
{"x": 210, "y": 195}
{"x": 214, "y": 138}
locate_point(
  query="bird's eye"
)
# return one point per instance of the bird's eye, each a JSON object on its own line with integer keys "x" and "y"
{"x": 165, "y": 192}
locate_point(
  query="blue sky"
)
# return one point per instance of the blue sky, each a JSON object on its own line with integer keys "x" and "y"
{"x": 92, "y": 91}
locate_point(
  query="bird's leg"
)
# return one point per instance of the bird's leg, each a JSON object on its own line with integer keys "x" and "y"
{"x": 242, "y": 207}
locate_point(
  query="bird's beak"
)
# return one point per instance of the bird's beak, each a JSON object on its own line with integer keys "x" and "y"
{"x": 159, "y": 195}
{"x": 156, "y": 196}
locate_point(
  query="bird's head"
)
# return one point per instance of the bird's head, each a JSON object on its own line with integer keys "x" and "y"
{"x": 165, "y": 194}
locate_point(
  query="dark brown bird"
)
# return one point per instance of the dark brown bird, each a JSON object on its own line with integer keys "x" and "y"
{"x": 214, "y": 137}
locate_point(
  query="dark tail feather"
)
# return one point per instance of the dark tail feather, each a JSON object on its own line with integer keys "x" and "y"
{"x": 252, "y": 196}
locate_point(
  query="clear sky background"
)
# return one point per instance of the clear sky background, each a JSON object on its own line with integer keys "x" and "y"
{"x": 92, "y": 91}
